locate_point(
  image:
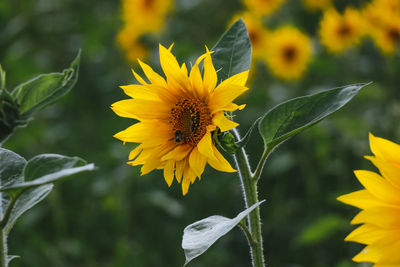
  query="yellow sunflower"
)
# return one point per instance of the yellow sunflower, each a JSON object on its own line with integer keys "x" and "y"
{"x": 380, "y": 204}
{"x": 262, "y": 7}
{"x": 383, "y": 24}
{"x": 145, "y": 15}
{"x": 177, "y": 116}
{"x": 258, "y": 34}
{"x": 288, "y": 52}
{"x": 314, "y": 5}
{"x": 130, "y": 43}
{"x": 339, "y": 32}
{"x": 387, "y": 36}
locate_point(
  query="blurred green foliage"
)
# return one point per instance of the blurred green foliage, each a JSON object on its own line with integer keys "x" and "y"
{"x": 114, "y": 217}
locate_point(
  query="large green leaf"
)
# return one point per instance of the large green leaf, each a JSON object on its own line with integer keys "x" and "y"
{"x": 11, "y": 167}
{"x": 48, "y": 168}
{"x": 28, "y": 198}
{"x": 232, "y": 53}
{"x": 296, "y": 115}
{"x": 199, "y": 236}
{"x": 43, "y": 90}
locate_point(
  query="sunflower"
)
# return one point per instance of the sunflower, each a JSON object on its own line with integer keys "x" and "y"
{"x": 177, "y": 116}
{"x": 383, "y": 24}
{"x": 288, "y": 52}
{"x": 314, "y": 5}
{"x": 387, "y": 36}
{"x": 380, "y": 204}
{"x": 262, "y": 7}
{"x": 258, "y": 34}
{"x": 145, "y": 15}
{"x": 339, "y": 32}
{"x": 130, "y": 43}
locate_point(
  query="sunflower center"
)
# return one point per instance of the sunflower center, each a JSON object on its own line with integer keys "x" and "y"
{"x": 189, "y": 120}
{"x": 344, "y": 30}
{"x": 394, "y": 34}
{"x": 148, "y": 4}
{"x": 289, "y": 53}
{"x": 253, "y": 38}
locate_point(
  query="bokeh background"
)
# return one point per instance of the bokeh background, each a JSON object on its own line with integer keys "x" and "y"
{"x": 114, "y": 216}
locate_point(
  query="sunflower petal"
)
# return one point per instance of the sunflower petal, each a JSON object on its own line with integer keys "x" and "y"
{"x": 361, "y": 199}
{"x": 205, "y": 147}
{"x": 169, "y": 171}
{"x": 153, "y": 77}
{"x": 384, "y": 149}
{"x": 197, "y": 162}
{"x": 222, "y": 122}
{"x": 221, "y": 164}
{"x": 222, "y": 96}
{"x": 210, "y": 75}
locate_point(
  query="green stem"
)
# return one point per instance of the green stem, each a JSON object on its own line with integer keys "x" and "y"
{"x": 249, "y": 186}
{"x": 3, "y": 249}
{"x": 257, "y": 173}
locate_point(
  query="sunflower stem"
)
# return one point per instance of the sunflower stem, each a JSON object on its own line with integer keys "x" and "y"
{"x": 3, "y": 249}
{"x": 250, "y": 196}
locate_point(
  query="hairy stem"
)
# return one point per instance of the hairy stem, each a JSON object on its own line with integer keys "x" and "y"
{"x": 249, "y": 186}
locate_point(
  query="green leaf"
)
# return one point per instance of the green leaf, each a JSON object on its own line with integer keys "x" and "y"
{"x": 11, "y": 167}
{"x": 9, "y": 115}
{"x": 296, "y": 115}
{"x": 199, "y": 236}
{"x": 232, "y": 53}
{"x": 26, "y": 200}
{"x": 45, "y": 89}
{"x": 48, "y": 168}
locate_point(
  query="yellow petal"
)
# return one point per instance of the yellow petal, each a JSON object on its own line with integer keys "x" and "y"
{"x": 367, "y": 255}
{"x": 385, "y": 149}
{"x": 361, "y": 199}
{"x": 210, "y": 75}
{"x": 196, "y": 80}
{"x": 175, "y": 76}
{"x": 222, "y": 96}
{"x": 139, "y": 133}
{"x": 141, "y": 109}
{"x": 169, "y": 171}
{"x": 153, "y": 161}
{"x": 385, "y": 217}
{"x": 222, "y": 122}
{"x": 180, "y": 166}
{"x": 378, "y": 186}
{"x": 138, "y": 78}
{"x": 197, "y": 162}
{"x": 186, "y": 180}
{"x": 237, "y": 79}
{"x": 205, "y": 147}
{"x": 178, "y": 153}
{"x": 366, "y": 234}
{"x": 153, "y": 77}
{"x": 135, "y": 152}
{"x": 221, "y": 164}
{"x": 389, "y": 171}
{"x": 141, "y": 92}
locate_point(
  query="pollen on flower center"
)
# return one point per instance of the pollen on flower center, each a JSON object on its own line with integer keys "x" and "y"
{"x": 344, "y": 30}
{"x": 189, "y": 120}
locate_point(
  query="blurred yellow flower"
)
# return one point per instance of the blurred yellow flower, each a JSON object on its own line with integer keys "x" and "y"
{"x": 145, "y": 15}
{"x": 177, "y": 116}
{"x": 339, "y": 32}
{"x": 383, "y": 24}
{"x": 387, "y": 36}
{"x": 314, "y": 5}
{"x": 258, "y": 34}
{"x": 288, "y": 52}
{"x": 380, "y": 204}
{"x": 131, "y": 45}
{"x": 262, "y": 7}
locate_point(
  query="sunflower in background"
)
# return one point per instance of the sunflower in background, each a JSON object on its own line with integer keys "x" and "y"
{"x": 314, "y": 5}
{"x": 130, "y": 42}
{"x": 339, "y": 32}
{"x": 185, "y": 108}
{"x": 380, "y": 204}
{"x": 258, "y": 34}
{"x": 140, "y": 17}
{"x": 383, "y": 24}
{"x": 262, "y": 7}
{"x": 288, "y": 52}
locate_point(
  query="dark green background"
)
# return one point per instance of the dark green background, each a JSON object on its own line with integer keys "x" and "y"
{"x": 114, "y": 217}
